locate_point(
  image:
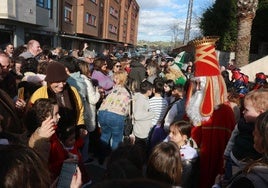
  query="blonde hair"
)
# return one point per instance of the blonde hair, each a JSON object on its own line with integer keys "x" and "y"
{"x": 121, "y": 76}
{"x": 259, "y": 99}
{"x": 173, "y": 74}
{"x": 84, "y": 69}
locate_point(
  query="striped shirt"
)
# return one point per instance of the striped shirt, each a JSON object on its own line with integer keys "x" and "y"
{"x": 158, "y": 105}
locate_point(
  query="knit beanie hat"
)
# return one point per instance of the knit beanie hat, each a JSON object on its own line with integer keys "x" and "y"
{"x": 56, "y": 73}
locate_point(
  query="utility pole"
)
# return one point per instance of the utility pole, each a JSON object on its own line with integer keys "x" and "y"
{"x": 188, "y": 23}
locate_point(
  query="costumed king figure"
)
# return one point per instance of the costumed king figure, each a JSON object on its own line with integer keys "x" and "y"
{"x": 208, "y": 110}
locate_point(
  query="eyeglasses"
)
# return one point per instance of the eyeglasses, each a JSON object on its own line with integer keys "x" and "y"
{"x": 118, "y": 66}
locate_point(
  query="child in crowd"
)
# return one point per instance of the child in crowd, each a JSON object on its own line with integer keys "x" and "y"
{"x": 240, "y": 148}
{"x": 73, "y": 144}
{"x": 180, "y": 133}
{"x": 176, "y": 109}
{"x": 164, "y": 164}
{"x": 157, "y": 103}
{"x": 41, "y": 121}
{"x": 254, "y": 174}
{"x": 142, "y": 115}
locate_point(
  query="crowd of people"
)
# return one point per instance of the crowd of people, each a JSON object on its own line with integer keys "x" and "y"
{"x": 193, "y": 125}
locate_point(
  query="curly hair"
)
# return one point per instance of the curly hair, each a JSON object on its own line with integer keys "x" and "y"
{"x": 41, "y": 109}
{"x": 259, "y": 99}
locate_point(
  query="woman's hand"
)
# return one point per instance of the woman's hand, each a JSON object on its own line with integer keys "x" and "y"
{"x": 20, "y": 104}
{"x": 76, "y": 179}
{"x": 47, "y": 128}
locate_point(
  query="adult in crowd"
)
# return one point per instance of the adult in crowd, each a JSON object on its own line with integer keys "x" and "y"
{"x": 89, "y": 57}
{"x": 125, "y": 62}
{"x": 152, "y": 71}
{"x": 116, "y": 66}
{"x": 70, "y": 104}
{"x": 75, "y": 79}
{"x": 113, "y": 111}
{"x": 168, "y": 86}
{"x": 10, "y": 124}
{"x": 93, "y": 96}
{"x": 58, "y": 52}
{"x": 33, "y": 49}
{"x": 138, "y": 71}
{"x": 100, "y": 74}
{"x": 19, "y": 50}
{"x": 45, "y": 55}
{"x": 29, "y": 71}
{"x": 16, "y": 70}
{"x": 207, "y": 109}
{"x": 7, "y": 79}
{"x": 189, "y": 73}
{"x": 9, "y": 49}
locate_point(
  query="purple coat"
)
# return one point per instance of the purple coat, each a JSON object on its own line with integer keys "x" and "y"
{"x": 104, "y": 81}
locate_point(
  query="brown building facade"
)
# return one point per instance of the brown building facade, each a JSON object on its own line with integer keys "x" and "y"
{"x": 101, "y": 23}
{"x": 70, "y": 23}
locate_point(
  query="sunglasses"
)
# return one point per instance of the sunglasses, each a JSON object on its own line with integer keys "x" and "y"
{"x": 118, "y": 66}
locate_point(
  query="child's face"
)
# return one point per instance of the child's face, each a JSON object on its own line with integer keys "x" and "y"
{"x": 166, "y": 88}
{"x": 176, "y": 136}
{"x": 70, "y": 141}
{"x": 250, "y": 113}
{"x": 56, "y": 116}
{"x": 149, "y": 92}
{"x": 176, "y": 93}
{"x": 257, "y": 140}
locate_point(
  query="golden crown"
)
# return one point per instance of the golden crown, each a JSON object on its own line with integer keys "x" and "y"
{"x": 202, "y": 41}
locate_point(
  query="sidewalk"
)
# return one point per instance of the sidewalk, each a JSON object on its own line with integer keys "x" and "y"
{"x": 95, "y": 170}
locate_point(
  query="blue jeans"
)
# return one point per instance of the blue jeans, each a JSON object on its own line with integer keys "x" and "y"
{"x": 112, "y": 127}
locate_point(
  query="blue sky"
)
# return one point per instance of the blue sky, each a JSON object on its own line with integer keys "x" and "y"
{"x": 157, "y": 16}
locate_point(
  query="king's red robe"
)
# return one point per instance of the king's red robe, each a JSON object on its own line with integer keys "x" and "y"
{"x": 212, "y": 137}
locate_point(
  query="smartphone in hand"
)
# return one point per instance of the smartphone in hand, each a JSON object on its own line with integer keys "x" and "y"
{"x": 67, "y": 171}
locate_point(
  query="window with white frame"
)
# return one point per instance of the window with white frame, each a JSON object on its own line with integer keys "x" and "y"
{"x": 113, "y": 12}
{"x": 68, "y": 13}
{"x": 90, "y": 19}
{"x": 112, "y": 29}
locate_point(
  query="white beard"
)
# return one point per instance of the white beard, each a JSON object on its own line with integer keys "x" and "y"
{"x": 193, "y": 108}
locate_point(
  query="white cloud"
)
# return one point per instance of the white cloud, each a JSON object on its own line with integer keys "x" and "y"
{"x": 157, "y": 16}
